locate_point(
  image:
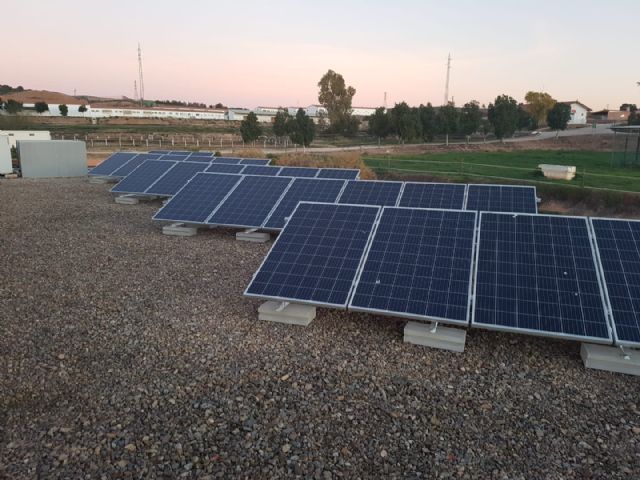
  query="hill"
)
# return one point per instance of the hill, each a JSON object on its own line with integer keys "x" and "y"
{"x": 33, "y": 96}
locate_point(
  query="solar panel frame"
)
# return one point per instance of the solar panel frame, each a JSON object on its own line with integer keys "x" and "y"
{"x": 297, "y": 171}
{"x": 154, "y": 188}
{"x": 266, "y": 224}
{"x": 528, "y": 331}
{"x": 222, "y": 205}
{"x": 230, "y": 160}
{"x": 339, "y": 173}
{"x": 147, "y": 164}
{"x": 435, "y": 185}
{"x": 311, "y": 302}
{"x": 174, "y": 158}
{"x": 470, "y": 187}
{"x": 112, "y": 159}
{"x": 261, "y": 170}
{"x": 373, "y": 183}
{"x": 411, "y": 316}
{"x": 610, "y": 309}
{"x": 132, "y": 164}
{"x": 256, "y": 161}
{"x": 196, "y": 222}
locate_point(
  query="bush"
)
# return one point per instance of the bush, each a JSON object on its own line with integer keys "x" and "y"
{"x": 338, "y": 160}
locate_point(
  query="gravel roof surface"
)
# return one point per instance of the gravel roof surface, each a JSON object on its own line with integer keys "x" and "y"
{"x": 125, "y": 353}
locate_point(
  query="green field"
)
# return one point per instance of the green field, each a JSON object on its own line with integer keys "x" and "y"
{"x": 594, "y": 169}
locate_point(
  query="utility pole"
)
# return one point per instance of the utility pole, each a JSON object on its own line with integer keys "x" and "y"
{"x": 141, "y": 79}
{"x": 446, "y": 85}
{"x": 385, "y": 100}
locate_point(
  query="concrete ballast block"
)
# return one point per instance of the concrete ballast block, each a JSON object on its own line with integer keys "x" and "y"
{"x": 445, "y": 338}
{"x": 611, "y": 359}
{"x": 256, "y": 237}
{"x": 127, "y": 200}
{"x": 179, "y": 230}
{"x": 291, "y": 314}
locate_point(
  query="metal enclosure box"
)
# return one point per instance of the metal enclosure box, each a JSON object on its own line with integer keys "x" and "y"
{"x": 5, "y": 156}
{"x": 52, "y": 158}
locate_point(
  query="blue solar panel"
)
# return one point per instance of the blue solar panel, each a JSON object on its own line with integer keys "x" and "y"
{"x": 316, "y": 257}
{"x": 175, "y": 179}
{"x": 181, "y": 152}
{"x": 143, "y": 177}
{"x": 433, "y": 195}
{"x": 224, "y": 168}
{"x": 364, "y": 192}
{"x": 261, "y": 170}
{"x": 502, "y": 198}
{"x": 132, "y": 164}
{"x": 231, "y": 160}
{"x": 304, "y": 189}
{"x": 255, "y": 161}
{"x": 201, "y": 154}
{"x": 112, "y": 163}
{"x": 298, "y": 172}
{"x": 343, "y": 173}
{"x": 419, "y": 266}
{"x": 173, "y": 157}
{"x": 251, "y": 201}
{"x": 198, "y": 198}
{"x": 618, "y": 246}
{"x": 160, "y": 152}
{"x": 537, "y": 274}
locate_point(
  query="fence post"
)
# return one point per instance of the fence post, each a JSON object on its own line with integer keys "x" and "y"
{"x": 584, "y": 174}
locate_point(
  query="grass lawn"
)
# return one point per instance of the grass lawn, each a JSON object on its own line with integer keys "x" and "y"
{"x": 594, "y": 168}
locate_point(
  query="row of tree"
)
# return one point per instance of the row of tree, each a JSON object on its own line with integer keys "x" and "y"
{"x": 13, "y": 107}
{"x": 300, "y": 128}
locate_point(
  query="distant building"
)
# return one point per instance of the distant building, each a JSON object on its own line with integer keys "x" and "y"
{"x": 579, "y": 112}
{"x": 611, "y": 116}
{"x": 14, "y": 136}
{"x": 363, "y": 111}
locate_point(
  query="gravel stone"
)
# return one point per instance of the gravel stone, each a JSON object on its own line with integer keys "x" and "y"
{"x": 125, "y": 353}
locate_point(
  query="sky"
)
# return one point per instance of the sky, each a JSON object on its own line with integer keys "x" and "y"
{"x": 273, "y": 53}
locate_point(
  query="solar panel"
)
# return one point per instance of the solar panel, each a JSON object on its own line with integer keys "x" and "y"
{"x": 255, "y": 161}
{"x": 537, "y": 274}
{"x": 618, "y": 247}
{"x": 502, "y": 198}
{"x": 261, "y": 170}
{"x": 298, "y": 172}
{"x": 173, "y": 157}
{"x": 224, "y": 168}
{"x": 419, "y": 266}
{"x": 343, "y": 173}
{"x": 181, "y": 152}
{"x": 370, "y": 192}
{"x": 201, "y": 154}
{"x": 143, "y": 177}
{"x": 132, "y": 164}
{"x": 251, "y": 201}
{"x": 433, "y": 195}
{"x": 111, "y": 164}
{"x": 176, "y": 178}
{"x": 160, "y": 152}
{"x": 303, "y": 189}
{"x": 316, "y": 257}
{"x": 231, "y": 160}
{"x": 198, "y": 198}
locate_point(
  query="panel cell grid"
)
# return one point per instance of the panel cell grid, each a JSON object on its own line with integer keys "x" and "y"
{"x": 198, "y": 198}
{"x": 175, "y": 179}
{"x": 362, "y": 192}
{"x": 132, "y": 164}
{"x": 173, "y": 157}
{"x": 419, "y": 265}
{"x": 341, "y": 173}
{"x": 433, "y": 195}
{"x": 618, "y": 243}
{"x": 143, "y": 177}
{"x": 225, "y": 168}
{"x": 502, "y": 198}
{"x": 111, "y": 164}
{"x": 255, "y": 161}
{"x": 536, "y": 274}
{"x": 251, "y": 201}
{"x": 261, "y": 170}
{"x": 316, "y": 257}
{"x": 303, "y": 189}
{"x": 298, "y": 172}
{"x": 230, "y": 160}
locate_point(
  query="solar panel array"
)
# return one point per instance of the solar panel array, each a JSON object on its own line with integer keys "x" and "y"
{"x": 433, "y": 195}
{"x": 502, "y": 198}
{"x": 145, "y": 175}
{"x": 368, "y": 192}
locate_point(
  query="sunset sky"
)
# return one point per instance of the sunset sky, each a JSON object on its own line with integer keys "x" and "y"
{"x": 250, "y": 53}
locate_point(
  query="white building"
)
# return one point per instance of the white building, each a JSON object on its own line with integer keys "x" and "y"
{"x": 579, "y": 112}
{"x": 363, "y": 111}
{"x": 15, "y": 135}
{"x": 190, "y": 114}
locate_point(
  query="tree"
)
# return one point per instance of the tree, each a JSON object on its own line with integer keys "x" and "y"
{"x": 280, "y": 123}
{"x": 336, "y": 97}
{"x": 64, "y": 110}
{"x": 380, "y": 123}
{"x": 12, "y": 107}
{"x": 448, "y": 120}
{"x": 485, "y": 128}
{"x": 428, "y": 121}
{"x": 503, "y": 115}
{"x": 82, "y": 108}
{"x": 539, "y": 104}
{"x": 634, "y": 118}
{"x": 525, "y": 119}
{"x": 303, "y": 130}
{"x": 558, "y": 117}
{"x": 470, "y": 118}
{"x": 405, "y": 122}
{"x": 249, "y": 128}
{"x": 629, "y": 107}
{"x": 41, "y": 107}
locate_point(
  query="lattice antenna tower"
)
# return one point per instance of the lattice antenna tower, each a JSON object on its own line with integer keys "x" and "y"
{"x": 140, "y": 77}
{"x": 135, "y": 90}
{"x": 446, "y": 85}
